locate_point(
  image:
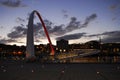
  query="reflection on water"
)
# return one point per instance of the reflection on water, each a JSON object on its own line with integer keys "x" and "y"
{"x": 78, "y": 59}
{"x": 103, "y": 59}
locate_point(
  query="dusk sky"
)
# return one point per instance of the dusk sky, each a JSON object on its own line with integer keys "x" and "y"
{"x": 78, "y": 21}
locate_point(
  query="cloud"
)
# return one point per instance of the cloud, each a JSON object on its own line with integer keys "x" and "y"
{"x": 115, "y": 10}
{"x": 4, "y": 41}
{"x": 71, "y": 36}
{"x": 113, "y": 7}
{"x": 20, "y": 20}
{"x": 37, "y": 40}
{"x": 38, "y": 31}
{"x": 65, "y": 14}
{"x": 51, "y": 28}
{"x": 61, "y": 29}
{"x": 76, "y": 24}
{"x": 73, "y": 24}
{"x": 57, "y": 30}
{"x": 93, "y": 35}
{"x": 111, "y": 36}
{"x": 21, "y": 31}
{"x": 111, "y": 33}
{"x": 111, "y": 39}
{"x": 1, "y": 27}
{"x": 10, "y": 3}
{"x": 88, "y": 20}
{"x": 48, "y": 24}
{"x": 18, "y": 32}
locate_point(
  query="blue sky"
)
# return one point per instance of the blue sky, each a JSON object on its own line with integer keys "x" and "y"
{"x": 78, "y": 21}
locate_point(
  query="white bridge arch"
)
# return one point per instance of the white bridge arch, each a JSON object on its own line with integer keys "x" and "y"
{"x": 30, "y": 38}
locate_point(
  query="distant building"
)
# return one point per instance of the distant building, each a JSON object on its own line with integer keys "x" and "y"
{"x": 62, "y": 46}
{"x": 92, "y": 45}
{"x": 111, "y": 48}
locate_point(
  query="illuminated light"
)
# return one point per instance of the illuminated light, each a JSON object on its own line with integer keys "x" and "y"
{"x": 64, "y": 50}
{"x": 2, "y": 66}
{"x": 60, "y": 50}
{"x": 14, "y": 52}
{"x": 32, "y": 70}
{"x": 118, "y": 50}
{"x": 56, "y": 48}
{"x": 102, "y": 76}
{"x": 98, "y": 72}
{"x": 19, "y": 52}
{"x": 37, "y": 47}
{"x": 62, "y": 71}
{"x": 4, "y": 70}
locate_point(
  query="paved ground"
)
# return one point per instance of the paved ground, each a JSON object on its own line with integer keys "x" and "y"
{"x": 37, "y": 71}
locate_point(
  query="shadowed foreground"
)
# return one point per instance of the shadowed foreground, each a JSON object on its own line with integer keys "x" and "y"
{"x": 36, "y": 71}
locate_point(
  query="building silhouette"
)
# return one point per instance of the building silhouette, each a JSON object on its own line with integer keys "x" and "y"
{"x": 62, "y": 46}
